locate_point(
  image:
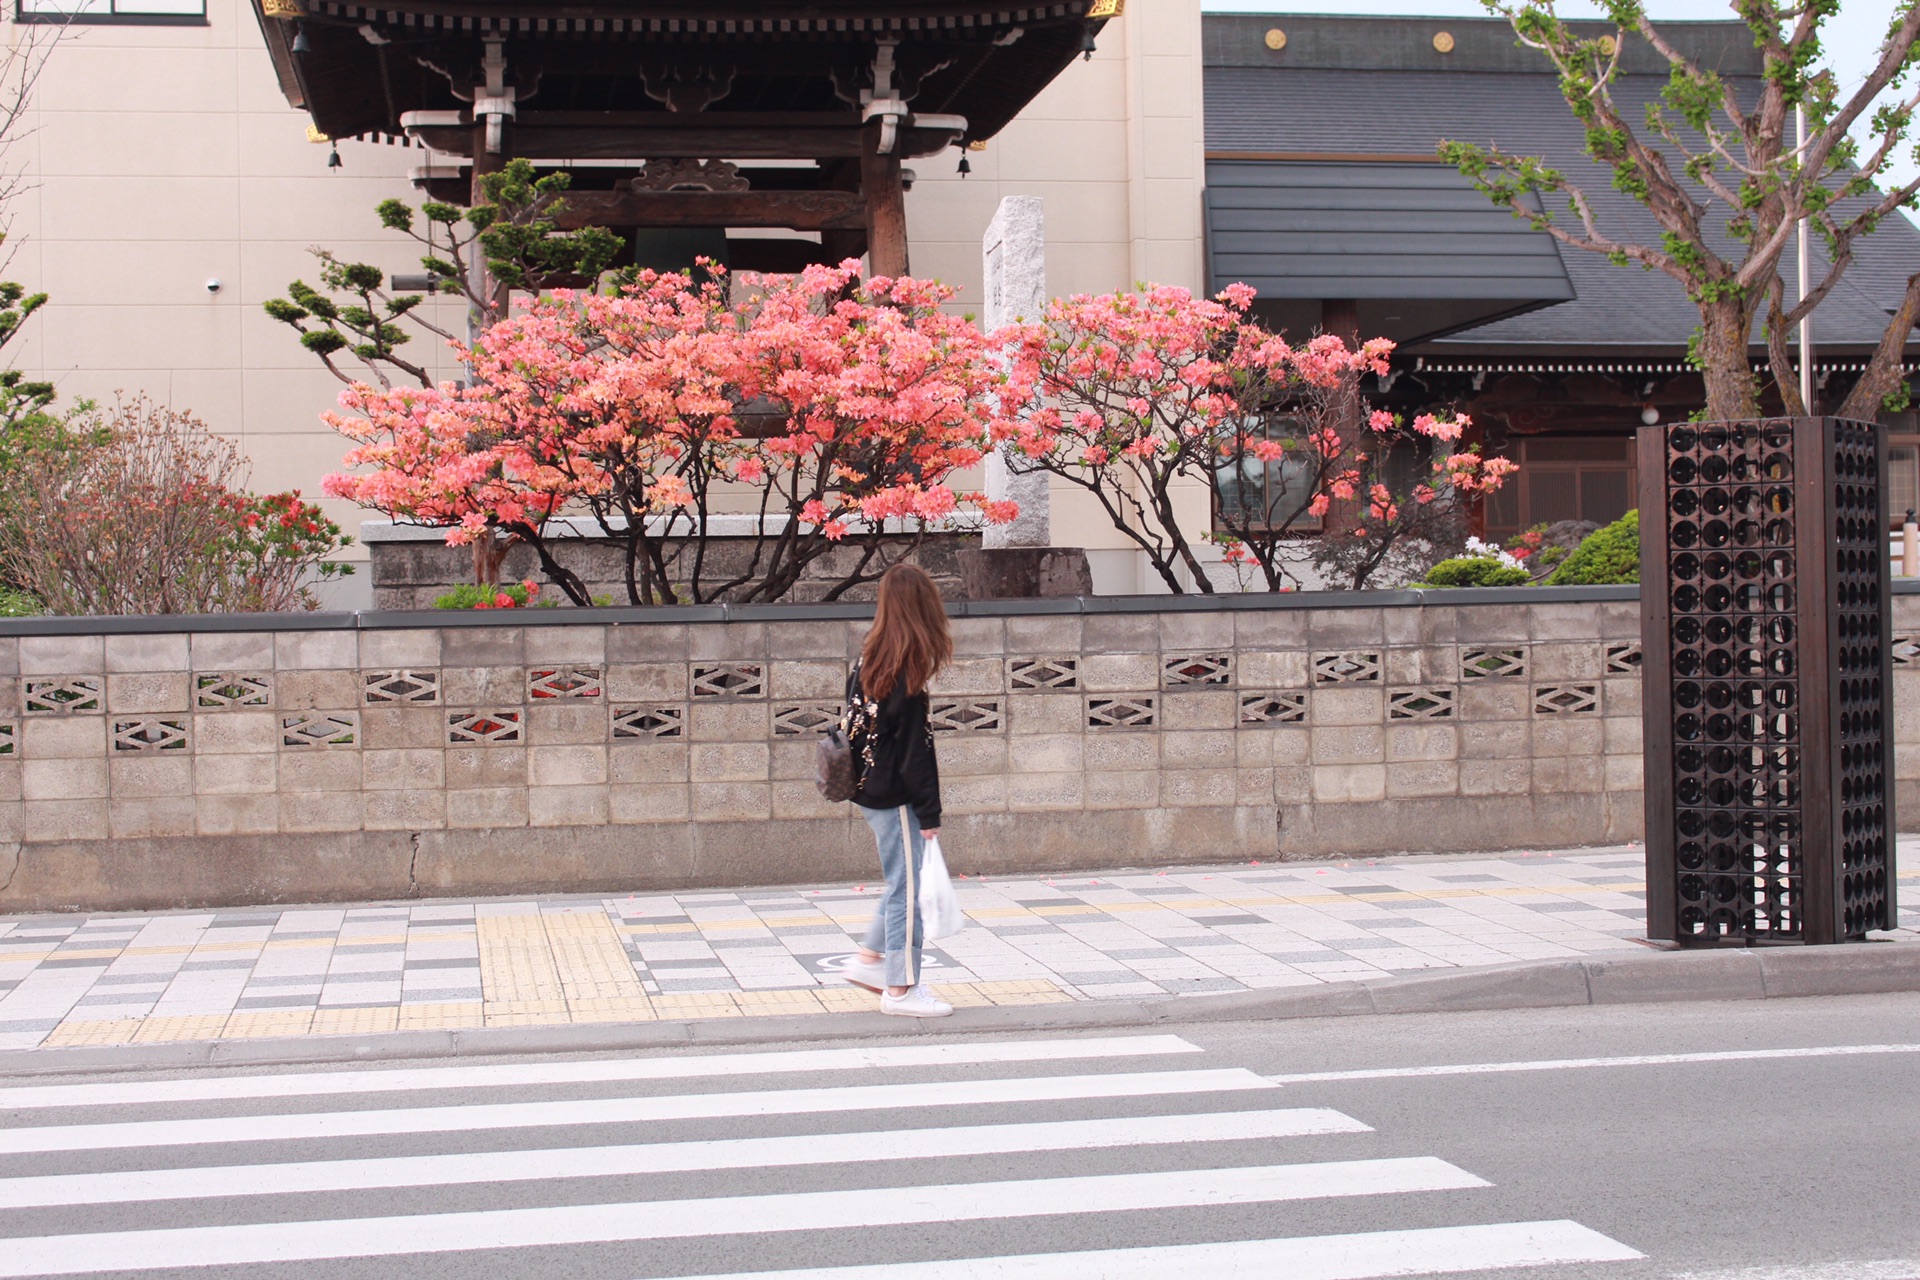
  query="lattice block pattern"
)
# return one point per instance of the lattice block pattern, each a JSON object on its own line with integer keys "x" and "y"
{"x": 1043, "y": 673}
{"x": 218, "y": 691}
{"x": 1566, "y": 700}
{"x": 58, "y": 695}
{"x": 320, "y": 729}
{"x": 1132, "y": 711}
{"x": 9, "y": 734}
{"x": 1905, "y": 650}
{"x": 730, "y": 680}
{"x": 417, "y": 687}
{"x": 1434, "y": 703}
{"x": 149, "y": 734}
{"x": 1273, "y": 708}
{"x": 967, "y": 715}
{"x": 499, "y": 725}
{"x": 1624, "y": 658}
{"x": 649, "y": 722}
{"x": 806, "y": 719}
{"x": 1347, "y": 667}
{"x": 1768, "y": 714}
{"x": 565, "y": 682}
{"x": 1486, "y": 664}
{"x": 1180, "y": 670}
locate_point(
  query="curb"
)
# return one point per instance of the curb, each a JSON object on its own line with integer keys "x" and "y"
{"x": 1661, "y": 978}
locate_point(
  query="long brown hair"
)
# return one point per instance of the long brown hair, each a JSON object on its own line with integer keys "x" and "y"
{"x": 909, "y": 638}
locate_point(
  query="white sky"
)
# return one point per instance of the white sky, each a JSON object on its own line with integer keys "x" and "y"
{"x": 1850, "y": 39}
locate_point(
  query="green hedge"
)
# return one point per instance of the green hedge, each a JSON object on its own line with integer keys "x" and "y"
{"x": 1475, "y": 571}
{"x": 1608, "y": 555}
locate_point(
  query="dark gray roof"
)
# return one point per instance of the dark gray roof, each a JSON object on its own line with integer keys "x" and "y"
{"x": 1259, "y": 102}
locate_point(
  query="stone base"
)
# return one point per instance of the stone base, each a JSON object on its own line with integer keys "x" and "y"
{"x": 1024, "y": 573}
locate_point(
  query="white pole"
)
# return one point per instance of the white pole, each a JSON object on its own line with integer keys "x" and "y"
{"x": 1806, "y": 322}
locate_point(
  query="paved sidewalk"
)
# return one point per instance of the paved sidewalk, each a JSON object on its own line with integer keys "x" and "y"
{"x": 260, "y": 972}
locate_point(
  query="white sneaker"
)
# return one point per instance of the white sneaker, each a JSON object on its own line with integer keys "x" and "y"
{"x": 871, "y": 974}
{"x": 918, "y": 1002}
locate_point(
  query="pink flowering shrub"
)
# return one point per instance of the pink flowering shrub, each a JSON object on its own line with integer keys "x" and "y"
{"x": 832, "y": 411}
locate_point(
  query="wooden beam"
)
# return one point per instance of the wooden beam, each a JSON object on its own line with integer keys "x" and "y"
{"x": 796, "y": 210}
{"x": 886, "y": 207}
{"x": 704, "y": 135}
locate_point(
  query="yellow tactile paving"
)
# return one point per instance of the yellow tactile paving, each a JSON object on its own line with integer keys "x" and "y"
{"x": 436, "y": 1017}
{"x": 206, "y": 1026}
{"x": 270, "y": 1022}
{"x": 588, "y": 958}
{"x": 1024, "y": 991}
{"x": 636, "y": 1008}
{"x": 73, "y": 1033}
{"x": 349, "y": 1022}
{"x": 516, "y": 960}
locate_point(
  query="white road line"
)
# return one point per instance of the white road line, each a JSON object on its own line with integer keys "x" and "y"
{"x": 1578, "y": 1064}
{"x": 265, "y": 1242}
{"x": 664, "y": 1157}
{"x": 686, "y": 1106}
{"x": 511, "y": 1075}
{"x": 1366, "y": 1256}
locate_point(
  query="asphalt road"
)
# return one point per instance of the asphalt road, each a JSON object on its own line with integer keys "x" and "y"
{"x": 1331, "y": 1150}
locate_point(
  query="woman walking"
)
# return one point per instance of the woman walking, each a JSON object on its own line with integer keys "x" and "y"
{"x": 899, "y": 788}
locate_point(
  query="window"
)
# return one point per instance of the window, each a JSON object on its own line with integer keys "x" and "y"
{"x": 1268, "y": 492}
{"x": 1564, "y": 478}
{"x": 150, "y": 12}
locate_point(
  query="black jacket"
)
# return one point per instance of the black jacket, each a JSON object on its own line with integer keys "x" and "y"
{"x": 892, "y": 744}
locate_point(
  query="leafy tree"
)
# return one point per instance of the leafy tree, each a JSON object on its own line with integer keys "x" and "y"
{"x": 1609, "y": 555}
{"x": 483, "y": 253}
{"x": 1716, "y": 163}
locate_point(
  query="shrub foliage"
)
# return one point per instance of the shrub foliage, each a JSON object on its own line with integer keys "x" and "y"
{"x": 1609, "y": 555}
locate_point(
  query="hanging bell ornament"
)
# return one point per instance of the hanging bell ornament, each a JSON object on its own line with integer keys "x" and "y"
{"x": 333, "y": 157}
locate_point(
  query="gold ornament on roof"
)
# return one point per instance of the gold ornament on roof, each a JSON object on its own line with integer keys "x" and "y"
{"x": 1276, "y": 39}
{"x": 281, "y": 8}
{"x": 1106, "y": 8}
{"x": 314, "y": 134}
{"x": 1443, "y": 41}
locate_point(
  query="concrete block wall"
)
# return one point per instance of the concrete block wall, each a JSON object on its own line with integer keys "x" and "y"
{"x": 368, "y": 756}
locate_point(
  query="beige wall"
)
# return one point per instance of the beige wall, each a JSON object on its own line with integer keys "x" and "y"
{"x": 165, "y": 156}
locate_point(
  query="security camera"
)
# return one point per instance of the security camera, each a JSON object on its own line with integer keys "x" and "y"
{"x": 213, "y": 285}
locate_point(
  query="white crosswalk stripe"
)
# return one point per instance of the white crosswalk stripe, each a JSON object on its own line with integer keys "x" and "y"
{"x": 154, "y": 1183}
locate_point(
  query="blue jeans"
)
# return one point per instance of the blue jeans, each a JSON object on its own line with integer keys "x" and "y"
{"x": 895, "y": 931}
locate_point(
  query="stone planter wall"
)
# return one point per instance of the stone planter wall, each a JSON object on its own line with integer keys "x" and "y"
{"x": 154, "y": 763}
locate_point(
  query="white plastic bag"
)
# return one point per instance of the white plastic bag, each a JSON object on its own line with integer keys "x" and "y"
{"x": 940, "y": 913}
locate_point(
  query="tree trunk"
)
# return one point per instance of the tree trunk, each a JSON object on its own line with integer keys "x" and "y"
{"x": 1883, "y": 372}
{"x": 1725, "y": 327}
{"x": 489, "y": 553}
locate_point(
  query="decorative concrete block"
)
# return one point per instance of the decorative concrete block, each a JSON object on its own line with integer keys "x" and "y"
{"x": 567, "y": 723}
{"x": 316, "y": 690}
{"x": 236, "y": 775}
{"x": 321, "y": 811}
{"x": 483, "y": 686}
{"x": 730, "y": 762}
{"x": 63, "y": 738}
{"x": 817, "y": 680}
{"x": 152, "y": 818}
{"x": 649, "y": 802}
{"x": 1336, "y": 706}
{"x": 404, "y": 649}
{"x": 643, "y": 642}
{"x": 43, "y": 821}
{"x": 1122, "y": 752}
{"x": 1040, "y": 792}
{"x": 316, "y": 650}
{"x": 63, "y": 655}
{"x": 985, "y": 794}
{"x": 402, "y": 810}
{"x": 1273, "y": 669}
{"x": 231, "y": 650}
{"x": 1119, "y": 672}
{"x": 144, "y": 777}
{"x": 567, "y": 806}
{"x": 729, "y": 722}
{"x": 649, "y": 762}
{"x": 320, "y": 771}
{"x": 236, "y": 733}
{"x": 1198, "y": 749}
{"x": 1344, "y": 745}
{"x": 1567, "y": 660}
{"x": 141, "y": 653}
{"x": 1349, "y": 783}
{"x": 404, "y": 728}
{"x": 1422, "y": 742}
{"x": 1496, "y": 777}
{"x": 237, "y": 815}
{"x": 732, "y": 801}
{"x": 403, "y": 770}
{"x": 1482, "y": 700}
{"x": 1212, "y": 709}
{"x": 1045, "y": 753}
{"x": 75, "y": 779}
{"x": 979, "y": 676}
{"x": 1044, "y": 713}
{"x": 959, "y": 754}
{"x": 1495, "y": 740}
{"x": 482, "y": 647}
{"x": 1423, "y": 778}
{"x": 1404, "y": 664}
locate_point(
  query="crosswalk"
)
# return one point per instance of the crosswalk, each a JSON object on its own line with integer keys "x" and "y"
{"x": 915, "y": 1162}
